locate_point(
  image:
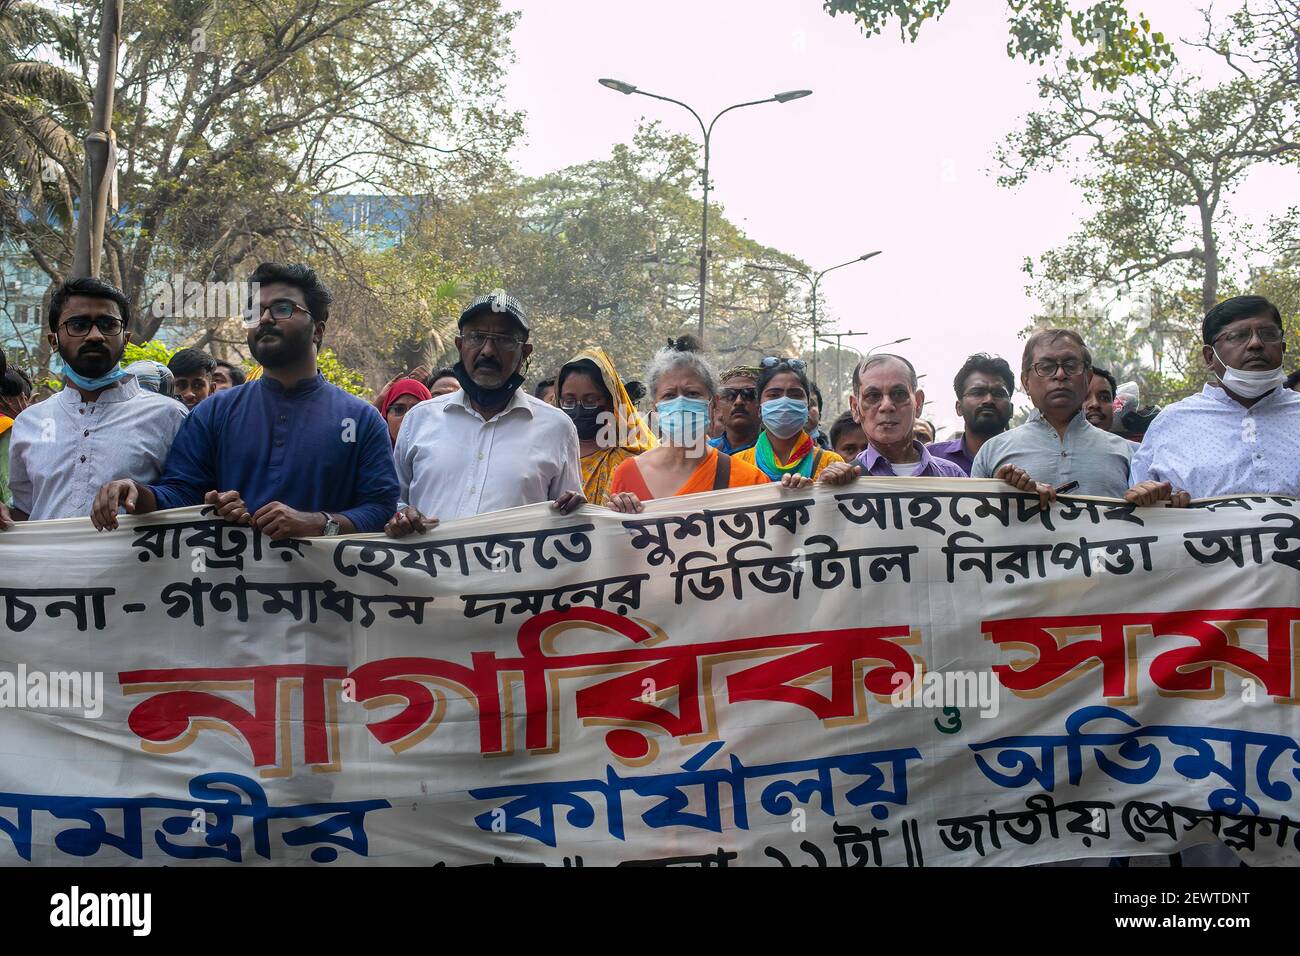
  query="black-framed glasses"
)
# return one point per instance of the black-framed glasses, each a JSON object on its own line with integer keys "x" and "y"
{"x": 506, "y": 343}
{"x": 744, "y": 394}
{"x": 1049, "y": 368}
{"x": 772, "y": 362}
{"x": 1269, "y": 335}
{"x": 570, "y": 404}
{"x": 280, "y": 310}
{"x": 981, "y": 392}
{"x": 79, "y": 326}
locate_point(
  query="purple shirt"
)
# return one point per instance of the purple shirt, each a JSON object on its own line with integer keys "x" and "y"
{"x": 953, "y": 450}
{"x": 878, "y": 466}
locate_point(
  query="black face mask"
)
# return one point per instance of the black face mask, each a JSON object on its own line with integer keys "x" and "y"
{"x": 487, "y": 397}
{"x": 586, "y": 420}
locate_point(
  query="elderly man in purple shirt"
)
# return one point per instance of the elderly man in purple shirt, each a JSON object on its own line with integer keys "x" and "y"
{"x": 885, "y": 402}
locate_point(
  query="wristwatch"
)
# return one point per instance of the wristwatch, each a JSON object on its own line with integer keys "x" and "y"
{"x": 331, "y": 526}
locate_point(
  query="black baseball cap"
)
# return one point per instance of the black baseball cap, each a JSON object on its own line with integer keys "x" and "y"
{"x": 497, "y": 301}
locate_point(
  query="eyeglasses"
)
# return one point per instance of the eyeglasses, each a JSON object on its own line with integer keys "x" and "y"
{"x": 772, "y": 362}
{"x": 1269, "y": 335}
{"x": 981, "y": 392}
{"x": 897, "y": 395}
{"x": 1049, "y": 368}
{"x": 744, "y": 394}
{"x": 79, "y": 327}
{"x": 506, "y": 343}
{"x": 570, "y": 405}
{"x": 280, "y": 310}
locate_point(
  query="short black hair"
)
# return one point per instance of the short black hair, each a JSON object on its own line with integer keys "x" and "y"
{"x": 96, "y": 289}
{"x": 842, "y": 424}
{"x": 766, "y": 375}
{"x": 1292, "y": 379}
{"x": 816, "y": 393}
{"x": 445, "y": 372}
{"x": 1098, "y": 370}
{"x": 237, "y": 375}
{"x": 1238, "y": 307}
{"x": 14, "y": 381}
{"x": 313, "y": 290}
{"x": 985, "y": 364}
{"x": 542, "y": 386}
{"x": 191, "y": 361}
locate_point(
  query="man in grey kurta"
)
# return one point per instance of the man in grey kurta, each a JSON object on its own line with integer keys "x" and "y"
{"x": 1057, "y": 446}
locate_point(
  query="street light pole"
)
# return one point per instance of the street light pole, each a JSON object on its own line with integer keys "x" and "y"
{"x": 815, "y": 280}
{"x": 628, "y": 89}
{"x": 839, "y": 396}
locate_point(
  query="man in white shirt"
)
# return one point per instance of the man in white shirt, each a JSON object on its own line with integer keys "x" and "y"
{"x": 1241, "y": 433}
{"x": 489, "y": 446}
{"x": 101, "y": 426}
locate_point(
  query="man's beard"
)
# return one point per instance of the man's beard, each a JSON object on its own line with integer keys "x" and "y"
{"x": 277, "y": 352}
{"x": 986, "y": 425}
{"x": 94, "y": 364}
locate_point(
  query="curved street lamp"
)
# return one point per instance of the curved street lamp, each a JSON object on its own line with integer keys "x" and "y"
{"x": 628, "y": 89}
{"x": 815, "y": 279}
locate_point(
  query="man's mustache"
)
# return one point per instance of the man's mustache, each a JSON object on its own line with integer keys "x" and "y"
{"x": 486, "y": 364}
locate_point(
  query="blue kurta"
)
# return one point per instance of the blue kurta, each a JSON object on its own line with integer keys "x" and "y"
{"x": 312, "y": 447}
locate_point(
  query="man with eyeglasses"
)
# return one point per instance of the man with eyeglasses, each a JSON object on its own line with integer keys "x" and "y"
{"x": 1241, "y": 433}
{"x": 737, "y": 408}
{"x": 1057, "y": 448}
{"x": 984, "y": 385}
{"x": 289, "y": 453}
{"x": 101, "y": 425}
{"x": 490, "y": 445}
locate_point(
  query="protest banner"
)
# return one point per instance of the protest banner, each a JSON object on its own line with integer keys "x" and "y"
{"x": 900, "y": 672}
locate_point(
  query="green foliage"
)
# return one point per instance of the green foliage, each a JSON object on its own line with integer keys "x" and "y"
{"x": 152, "y": 350}
{"x": 336, "y": 373}
{"x": 1114, "y": 44}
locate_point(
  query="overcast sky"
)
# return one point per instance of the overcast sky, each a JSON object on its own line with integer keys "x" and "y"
{"x": 893, "y": 150}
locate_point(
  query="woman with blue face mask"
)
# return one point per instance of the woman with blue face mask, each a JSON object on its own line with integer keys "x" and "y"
{"x": 683, "y": 386}
{"x": 784, "y": 447}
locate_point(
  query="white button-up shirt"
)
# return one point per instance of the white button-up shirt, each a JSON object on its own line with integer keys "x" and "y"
{"x": 453, "y": 464}
{"x": 63, "y": 449}
{"x": 1210, "y": 444}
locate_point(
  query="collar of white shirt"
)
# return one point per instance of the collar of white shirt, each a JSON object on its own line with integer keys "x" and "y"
{"x": 122, "y": 391}
{"x": 519, "y": 400}
{"x": 1215, "y": 393}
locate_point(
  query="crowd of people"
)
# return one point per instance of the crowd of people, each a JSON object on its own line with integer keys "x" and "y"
{"x": 282, "y": 449}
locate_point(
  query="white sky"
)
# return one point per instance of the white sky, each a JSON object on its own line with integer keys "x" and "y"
{"x": 893, "y": 151}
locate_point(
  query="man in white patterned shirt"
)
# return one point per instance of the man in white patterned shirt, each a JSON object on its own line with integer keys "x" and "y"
{"x": 1241, "y": 433}
{"x": 101, "y": 426}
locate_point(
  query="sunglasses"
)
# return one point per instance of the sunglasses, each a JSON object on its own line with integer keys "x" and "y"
{"x": 772, "y": 362}
{"x": 744, "y": 394}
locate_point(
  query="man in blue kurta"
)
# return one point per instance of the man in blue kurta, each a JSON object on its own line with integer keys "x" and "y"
{"x": 288, "y": 453}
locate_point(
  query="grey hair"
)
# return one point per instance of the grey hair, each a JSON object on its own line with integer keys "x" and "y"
{"x": 880, "y": 358}
{"x": 675, "y": 359}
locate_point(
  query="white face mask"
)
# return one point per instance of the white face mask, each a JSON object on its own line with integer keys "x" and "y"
{"x": 1249, "y": 384}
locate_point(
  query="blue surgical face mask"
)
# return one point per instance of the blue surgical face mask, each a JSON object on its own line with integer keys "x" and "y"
{"x": 785, "y": 417}
{"x": 682, "y": 420}
{"x": 94, "y": 384}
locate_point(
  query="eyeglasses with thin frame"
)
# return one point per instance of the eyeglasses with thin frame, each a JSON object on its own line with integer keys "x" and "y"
{"x": 744, "y": 394}
{"x": 506, "y": 343}
{"x": 1048, "y": 368}
{"x": 280, "y": 310}
{"x": 1269, "y": 335}
{"x": 79, "y": 326}
{"x": 898, "y": 395}
{"x": 772, "y": 362}
{"x": 981, "y": 392}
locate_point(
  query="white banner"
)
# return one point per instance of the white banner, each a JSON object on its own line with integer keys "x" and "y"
{"x": 898, "y": 673}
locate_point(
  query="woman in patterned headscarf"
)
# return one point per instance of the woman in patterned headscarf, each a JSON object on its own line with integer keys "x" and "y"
{"x": 610, "y": 430}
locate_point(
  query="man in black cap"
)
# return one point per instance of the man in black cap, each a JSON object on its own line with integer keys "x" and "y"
{"x": 491, "y": 445}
